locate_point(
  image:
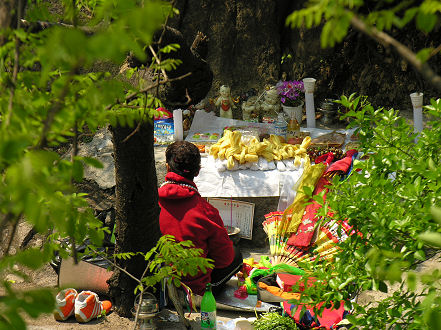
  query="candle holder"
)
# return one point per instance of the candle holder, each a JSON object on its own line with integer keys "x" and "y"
{"x": 148, "y": 309}
{"x": 309, "y": 84}
{"x": 417, "y": 99}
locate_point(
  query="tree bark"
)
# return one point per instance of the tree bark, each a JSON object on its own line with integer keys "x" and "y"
{"x": 386, "y": 40}
{"x": 137, "y": 210}
{"x": 243, "y": 40}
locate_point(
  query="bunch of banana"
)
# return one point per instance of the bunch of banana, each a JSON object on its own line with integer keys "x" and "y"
{"x": 231, "y": 148}
{"x": 281, "y": 150}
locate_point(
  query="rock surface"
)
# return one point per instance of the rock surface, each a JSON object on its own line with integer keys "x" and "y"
{"x": 100, "y": 148}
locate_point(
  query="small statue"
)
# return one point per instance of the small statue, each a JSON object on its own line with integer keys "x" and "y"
{"x": 250, "y": 110}
{"x": 271, "y": 104}
{"x": 225, "y": 102}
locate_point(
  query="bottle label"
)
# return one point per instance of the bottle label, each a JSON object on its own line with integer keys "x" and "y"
{"x": 208, "y": 320}
{"x": 280, "y": 130}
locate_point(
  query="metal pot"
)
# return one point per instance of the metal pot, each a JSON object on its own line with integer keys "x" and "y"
{"x": 329, "y": 111}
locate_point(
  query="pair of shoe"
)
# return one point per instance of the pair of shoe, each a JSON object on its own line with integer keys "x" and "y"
{"x": 85, "y": 305}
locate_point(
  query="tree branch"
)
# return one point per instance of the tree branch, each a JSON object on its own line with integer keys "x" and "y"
{"x": 158, "y": 61}
{"x": 116, "y": 266}
{"x": 379, "y": 135}
{"x": 138, "y": 127}
{"x": 435, "y": 51}
{"x": 8, "y": 217}
{"x": 53, "y": 111}
{"x": 130, "y": 97}
{"x": 74, "y": 142}
{"x": 40, "y": 25}
{"x": 15, "y": 69}
{"x": 11, "y": 238}
{"x": 387, "y": 41}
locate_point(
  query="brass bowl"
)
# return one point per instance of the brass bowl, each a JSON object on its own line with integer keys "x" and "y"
{"x": 233, "y": 233}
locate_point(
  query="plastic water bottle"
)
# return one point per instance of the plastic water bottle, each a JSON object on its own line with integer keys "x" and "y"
{"x": 208, "y": 309}
{"x": 280, "y": 125}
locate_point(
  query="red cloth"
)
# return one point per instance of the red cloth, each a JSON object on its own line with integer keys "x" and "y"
{"x": 187, "y": 216}
{"x": 305, "y": 231}
{"x": 325, "y": 158}
{"x": 287, "y": 281}
{"x": 164, "y": 114}
{"x": 329, "y": 318}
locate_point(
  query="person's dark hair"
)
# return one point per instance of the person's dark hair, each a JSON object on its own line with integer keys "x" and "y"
{"x": 183, "y": 158}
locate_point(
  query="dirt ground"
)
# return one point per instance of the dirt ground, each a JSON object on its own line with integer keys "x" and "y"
{"x": 167, "y": 318}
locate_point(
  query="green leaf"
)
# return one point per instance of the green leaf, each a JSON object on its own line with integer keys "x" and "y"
{"x": 411, "y": 281}
{"x": 408, "y": 16}
{"x": 92, "y": 162}
{"x": 436, "y": 213}
{"x": 434, "y": 319}
{"x": 431, "y": 238}
{"x": 382, "y": 286}
{"x": 37, "y": 302}
{"x": 424, "y": 54}
{"x": 394, "y": 272}
{"x": 31, "y": 258}
{"x": 77, "y": 170}
{"x": 420, "y": 255}
{"x": 333, "y": 283}
{"x": 426, "y": 21}
{"x": 176, "y": 282}
{"x": 170, "y": 48}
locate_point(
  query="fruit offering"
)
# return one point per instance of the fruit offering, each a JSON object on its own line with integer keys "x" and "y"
{"x": 314, "y": 152}
{"x": 201, "y": 147}
{"x": 231, "y": 148}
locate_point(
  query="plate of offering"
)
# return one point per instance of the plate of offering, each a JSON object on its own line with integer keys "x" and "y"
{"x": 333, "y": 139}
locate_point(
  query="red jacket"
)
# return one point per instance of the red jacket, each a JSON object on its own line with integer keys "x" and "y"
{"x": 187, "y": 216}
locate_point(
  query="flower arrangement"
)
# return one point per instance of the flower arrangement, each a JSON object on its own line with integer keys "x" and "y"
{"x": 290, "y": 92}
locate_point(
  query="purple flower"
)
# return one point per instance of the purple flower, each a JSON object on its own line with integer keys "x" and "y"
{"x": 290, "y": 92}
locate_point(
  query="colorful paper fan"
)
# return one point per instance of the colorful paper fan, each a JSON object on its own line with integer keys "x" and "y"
{"x": 277, "y": 240}
{"x": 324, "y": 245}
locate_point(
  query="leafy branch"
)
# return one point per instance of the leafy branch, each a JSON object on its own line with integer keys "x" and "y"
{"x": 338, "y": 16}
{"x": 58, "y": 105}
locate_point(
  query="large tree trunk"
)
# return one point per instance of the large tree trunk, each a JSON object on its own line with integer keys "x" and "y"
{"x": 137, "y": 210}
{"x": 247, "y": 40}
{"x": 244, "y": 40}
{"x": 136, "y": 206}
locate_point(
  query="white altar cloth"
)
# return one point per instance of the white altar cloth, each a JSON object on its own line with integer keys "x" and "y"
{"x": 241, "y": 183}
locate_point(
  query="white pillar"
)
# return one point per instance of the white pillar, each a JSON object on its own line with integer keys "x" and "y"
{"x": 417, "y": 103}
{"x": 309, "y": 84}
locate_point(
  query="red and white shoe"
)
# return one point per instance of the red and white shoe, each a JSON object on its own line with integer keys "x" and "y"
{"x": 88, "y": 306}
{"x": 65, "y": 303}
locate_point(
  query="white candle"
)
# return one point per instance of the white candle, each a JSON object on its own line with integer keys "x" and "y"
{"x": 309, "y": 84}
{"x": 177, "y": 123}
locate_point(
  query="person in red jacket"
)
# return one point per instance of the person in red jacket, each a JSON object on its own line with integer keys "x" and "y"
{"x": 188, "y": 216}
